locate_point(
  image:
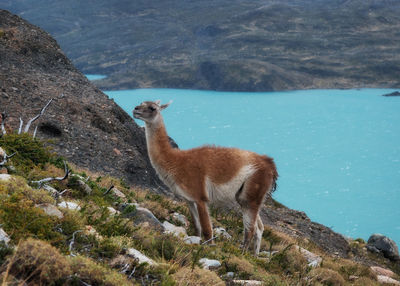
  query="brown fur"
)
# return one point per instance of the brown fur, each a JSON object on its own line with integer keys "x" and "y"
{"x": 189, "y": 169}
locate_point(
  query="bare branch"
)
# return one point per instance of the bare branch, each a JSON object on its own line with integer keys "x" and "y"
{"x": 6, "y": 157}
{"x": 20, "y": 125}
{"x": 73, "y": 240}
{"x": 3, "y": 118}
{"x": 34, "y": 132}
{"x": 42, "y": 181}
{"x": 28, "y": 125}
{"x": 106, "y": 192}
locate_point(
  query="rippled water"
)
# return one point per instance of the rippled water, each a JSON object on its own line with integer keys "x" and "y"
{"x": 337, "y": 151}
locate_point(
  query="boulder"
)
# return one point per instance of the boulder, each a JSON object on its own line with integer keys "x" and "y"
{"x": 209, "y": 263}
{"x": 387, "y": 280}
{"x": 83, "y": 187}
{"x": 178, "y": 231}
{"x": 140, "y": 257}
{"x": 51, "y": 210}
{"x": 4, "y": 236}
{"x": 118, "y": 194}
{"x": 112, "y": 211}
{"x": 382, "y": 244}
{"x": 3, "y": 170}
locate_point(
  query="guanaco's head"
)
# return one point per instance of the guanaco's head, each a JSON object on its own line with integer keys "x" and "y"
{"x": 148, "y": 111}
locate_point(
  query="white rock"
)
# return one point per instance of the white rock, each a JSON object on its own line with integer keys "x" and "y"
{"x": 112, "y": 211}
{"x": 180, "y": 218}
{"x": 118, "y": 193}
{"x": 382, "y": 271}
{"x": 312, "y": 259}
{"x": 230, "y": 274}
{"x": 140, "y": 256}
{"x": 69, "y": 205}
{"x": 247, "y": 282}
{"x": 387, "y": 280}
{"x": 192, "y": 239}
{"x": 51, "y": 210}
{"x": 5, "y": 177}
{"x": 221, "y": 232}
{"x": 178, "y": 231}
{"x": 4, "y": 236}
{"x": 209, "y": 263}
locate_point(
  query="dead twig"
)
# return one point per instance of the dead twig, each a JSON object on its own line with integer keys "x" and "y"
{"x": 71, "y": 244}
{"x": 45, "y": 180}
{"x": 28, "y": 125}
{"x": 106, "y": 192}
{"x": 6, "y": 157}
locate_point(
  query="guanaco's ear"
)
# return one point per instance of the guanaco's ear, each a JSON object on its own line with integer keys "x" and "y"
{"x": 157, "y": 102}
{"x": 166, "y": 105}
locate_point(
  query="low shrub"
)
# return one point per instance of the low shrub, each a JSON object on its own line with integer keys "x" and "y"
{"x": 196, "y": 277}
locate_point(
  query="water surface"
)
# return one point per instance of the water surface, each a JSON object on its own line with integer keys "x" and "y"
{"x": 337, "y": 151}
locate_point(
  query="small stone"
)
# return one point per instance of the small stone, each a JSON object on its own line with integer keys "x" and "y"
{"x": 5, "y": 177}
{"x": 353, "y": 277}
{"x": 247, "y": 282}
{"x": 192, "y": 239}
{"x": 69, "y": 205}
{"x": 140, "y": 256}
{"x": 117, "y": 193}
{"x": 51, "y": 210}
{"x": 209, "y": 263}
{"x": 177, "y": 231}
{"x": 221, "y": 232}
{"x": 4, "y": 236}
{"x": 312, "y": 259}
{"x": 387, "y": 280}
{"x": 117, "y": 152}
{"x": 82, "y": 186}
{"x": 382, "y": 271}
{"x": 230, "y": 274}
{"x": 180, "y": 218}
{"x": 112, "y": 211}
{"x": 141, "y": 216}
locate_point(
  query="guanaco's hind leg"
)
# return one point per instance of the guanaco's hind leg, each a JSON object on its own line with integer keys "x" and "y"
{"x": 258, "y": 235}
{"x": 205, "y": 221}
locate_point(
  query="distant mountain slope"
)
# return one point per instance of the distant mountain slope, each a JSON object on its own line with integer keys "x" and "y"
{"x": 85, "y": 125}
{"x": 226, "y": 45}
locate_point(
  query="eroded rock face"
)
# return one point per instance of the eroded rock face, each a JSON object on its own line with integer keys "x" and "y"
{"x": 84, "y": 124}
{"x": 383, "y": 244}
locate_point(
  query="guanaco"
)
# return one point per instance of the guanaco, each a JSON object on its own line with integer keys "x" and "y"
{"x": 210, "y": 174}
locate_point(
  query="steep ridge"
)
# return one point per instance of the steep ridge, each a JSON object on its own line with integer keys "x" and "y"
{"x": 84, "y": 125}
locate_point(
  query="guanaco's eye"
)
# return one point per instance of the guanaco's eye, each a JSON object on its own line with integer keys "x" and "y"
{"x": 151, "y": 108}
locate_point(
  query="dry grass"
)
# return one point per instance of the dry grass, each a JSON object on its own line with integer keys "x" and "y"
{"x": 198, "y": 277}
{"x": 326, "y": 277}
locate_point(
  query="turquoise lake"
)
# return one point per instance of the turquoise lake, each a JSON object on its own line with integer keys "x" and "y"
{"x": 337, "y": 151}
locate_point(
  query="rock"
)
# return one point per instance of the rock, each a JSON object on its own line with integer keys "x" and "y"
{"x": 50, "y": 189}
{"x": 4, "y": 236}
{"x": 312, "y": 259}
{"x": 192, "y": 239}
{"x": 141, "y": 258}
{"x": 221, "y": 232}
{"x": 83, "y": 187}
{"x": 180, "y": 218}
{"x": 2, "y": 152}
{"x": 380, "y": 243}
{"x": 118, "y": 194}
{"x": 209, "y": 263}
{"x": 51, "y": 210}
{"x": 5, "y": 177}
{"x": 387, "y": 280}
{"x": 3, "y": 170}
{"x": 230, "y": 274}
{"x": 353, "y": 277}
{"x": 247, "y": 282}
{"x": 178, "y": 231}
{"x": 69, "y": 205}
{"x": 396, "y": 93}
{"x": 112, "y": 211}
{"x": 382, "y": 271}
{"x": 141, "y": 216}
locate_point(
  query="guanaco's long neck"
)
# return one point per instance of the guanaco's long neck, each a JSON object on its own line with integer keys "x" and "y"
{"x": 160, "y": 151}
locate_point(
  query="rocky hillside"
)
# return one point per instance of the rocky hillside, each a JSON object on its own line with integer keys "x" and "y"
{"x": 240, "y": 45}
{"x": 79, "y": 231}
{"x": 83, "y": 124}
